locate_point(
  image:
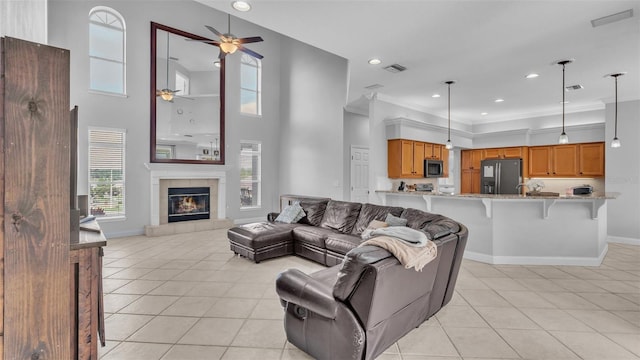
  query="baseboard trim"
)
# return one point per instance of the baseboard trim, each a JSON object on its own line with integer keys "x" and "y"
{"x": 125, "y": 233}
{"x": 623, "y": 240}
{"x": 537, "y": 260}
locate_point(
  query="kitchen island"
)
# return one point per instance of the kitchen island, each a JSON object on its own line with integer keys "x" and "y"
{"x": 518, "y": 229}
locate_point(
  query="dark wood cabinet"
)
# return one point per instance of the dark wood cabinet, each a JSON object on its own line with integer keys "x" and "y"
{"x": 34, "y": 170}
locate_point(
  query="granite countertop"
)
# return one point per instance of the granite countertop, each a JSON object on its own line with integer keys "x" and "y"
{"x": 593, "y": 196}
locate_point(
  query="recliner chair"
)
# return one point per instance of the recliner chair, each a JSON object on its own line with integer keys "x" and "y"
{"x": 357, "y": 309}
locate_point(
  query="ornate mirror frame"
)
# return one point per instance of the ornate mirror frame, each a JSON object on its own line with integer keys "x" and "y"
{"x": 207, "y": 157}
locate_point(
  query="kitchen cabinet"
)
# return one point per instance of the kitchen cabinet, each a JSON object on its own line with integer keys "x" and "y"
{"x": 503, "y": 153}
{"x": 433, "y": 151}
{"x": 591, "y": 160}
{"x": 405, "y": 159}
{"x": 470, "y": 181}
{"x": 470, "y": 171}
{"x": 570, "y": 160}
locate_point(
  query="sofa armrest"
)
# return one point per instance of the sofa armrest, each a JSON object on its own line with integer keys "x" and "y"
{"x": 271, "y": 217}
{"x": 296, "y": 287}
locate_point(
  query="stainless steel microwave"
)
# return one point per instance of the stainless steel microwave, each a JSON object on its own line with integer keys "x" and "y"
{"x": 433, "y": 168}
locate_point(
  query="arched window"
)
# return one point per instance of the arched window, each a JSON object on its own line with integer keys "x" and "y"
{"x": 250, "y": 85}
{"x": 107, "y": 63}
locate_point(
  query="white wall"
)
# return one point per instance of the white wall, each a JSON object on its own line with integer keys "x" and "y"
{"x": 25, "y": 20}
{"x": 313, "y": 94}
{"x": 313, "y": 116}
{"x": 623, "y": 172}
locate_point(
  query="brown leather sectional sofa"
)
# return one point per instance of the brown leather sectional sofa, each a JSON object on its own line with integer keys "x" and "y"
{"x": 366, "y": 300}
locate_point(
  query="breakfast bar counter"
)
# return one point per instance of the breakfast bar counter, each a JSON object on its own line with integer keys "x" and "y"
{"x": 519, "y": 229}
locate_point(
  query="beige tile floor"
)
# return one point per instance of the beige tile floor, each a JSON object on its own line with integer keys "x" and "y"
{"x": 185, "y": 297}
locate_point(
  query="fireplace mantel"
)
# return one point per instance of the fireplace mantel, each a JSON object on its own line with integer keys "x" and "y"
{"x": 159, "y": 172}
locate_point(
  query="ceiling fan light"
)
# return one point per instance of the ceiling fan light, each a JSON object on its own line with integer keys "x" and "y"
{"x": 228, "y": 48}
{"x": 166, "y": 94}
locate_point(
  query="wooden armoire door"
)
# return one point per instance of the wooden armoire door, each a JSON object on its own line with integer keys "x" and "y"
{"x": 34, "y": 170}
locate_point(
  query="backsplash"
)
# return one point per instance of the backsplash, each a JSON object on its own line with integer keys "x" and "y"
{"x": 561, "y": 185}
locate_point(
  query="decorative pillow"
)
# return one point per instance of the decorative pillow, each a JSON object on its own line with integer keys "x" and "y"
{"x": 291, "y": 214}
{"x": 395, "y": 221}
{"x": 373, "y": 225}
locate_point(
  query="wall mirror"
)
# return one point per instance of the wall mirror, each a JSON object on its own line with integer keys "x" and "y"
{"x": 187, "y": 98}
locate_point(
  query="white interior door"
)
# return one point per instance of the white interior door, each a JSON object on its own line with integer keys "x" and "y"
{"x": 359, "y": 174}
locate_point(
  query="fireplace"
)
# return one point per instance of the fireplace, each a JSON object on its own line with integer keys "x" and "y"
{"x": 188, "y": 203}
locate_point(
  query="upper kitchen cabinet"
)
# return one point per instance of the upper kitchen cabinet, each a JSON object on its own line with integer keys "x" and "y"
{"x": 433, "y": 151}
{"x": 504, "y": 153}
{"x": 471, "y": 159}
{"x": 591, "y": 160}
{"x": 405, "y": 158}
{"x": 570, "y": 160}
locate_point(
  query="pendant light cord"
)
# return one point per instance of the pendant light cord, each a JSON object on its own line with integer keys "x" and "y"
{"x": 167, "y": 83}
{"x": 449, "y": 111}
{"x": 563, "y": 91}
{"x": 616, "y": 111}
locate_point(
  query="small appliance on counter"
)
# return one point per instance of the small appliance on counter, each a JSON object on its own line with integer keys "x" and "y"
{"x": 580, "y": 190}
{"x": 424, "y": 187}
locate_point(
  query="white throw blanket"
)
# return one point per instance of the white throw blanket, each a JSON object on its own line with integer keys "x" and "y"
{"x": 411, "y": 247}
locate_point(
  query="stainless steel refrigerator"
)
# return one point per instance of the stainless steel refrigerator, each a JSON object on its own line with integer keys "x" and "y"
{"x": 500, "y": 176}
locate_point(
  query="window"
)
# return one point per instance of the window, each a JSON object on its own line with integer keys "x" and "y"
{"x": 250, "y": 85}
{"x": 106, "y": 50}
{"x": 182, "y": 83}
{"x": 250, "y": 177}
{"x": 106, "y": 172}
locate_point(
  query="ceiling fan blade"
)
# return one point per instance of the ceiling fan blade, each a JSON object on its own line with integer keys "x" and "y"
{"x": 214, "y": 42}
{"x": 218, "y": 33}
{"x": 250, "y": 52}
{"x": 249, "y": 40}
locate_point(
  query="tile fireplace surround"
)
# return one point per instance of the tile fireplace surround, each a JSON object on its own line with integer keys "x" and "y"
{"x": 163, "y": 178}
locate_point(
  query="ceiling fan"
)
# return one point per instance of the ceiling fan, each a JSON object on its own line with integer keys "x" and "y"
{"x": 229, "y": 43}
{"x": 167, "y": 94}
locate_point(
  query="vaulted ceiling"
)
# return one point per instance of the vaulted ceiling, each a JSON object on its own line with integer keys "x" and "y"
{"x": 488, "y": 47}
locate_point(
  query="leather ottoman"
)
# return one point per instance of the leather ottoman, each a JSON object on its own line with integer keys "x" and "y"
{"x": 261, "y": 241}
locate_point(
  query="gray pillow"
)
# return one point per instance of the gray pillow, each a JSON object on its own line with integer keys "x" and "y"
{"x": 291, "y": 214}
{"x": 395, "y": 221}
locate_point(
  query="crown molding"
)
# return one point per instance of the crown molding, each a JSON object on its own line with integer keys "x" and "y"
{"x": 425, "y": 126}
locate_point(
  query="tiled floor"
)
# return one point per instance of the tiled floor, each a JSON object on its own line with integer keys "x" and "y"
{"x": 188, "y": 297}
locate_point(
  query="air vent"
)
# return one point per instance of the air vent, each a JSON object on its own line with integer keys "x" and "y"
{"x": 395, "y": 68}
{"x": 374, "y": 86}
{"x": 574, "y": 87}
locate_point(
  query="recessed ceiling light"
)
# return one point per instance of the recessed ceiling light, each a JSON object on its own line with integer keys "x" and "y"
{"x": 375, "y": 61}
{"x": 484, "y": 113}
{"x": 498, "y": 100}
{"x": 532, "y": 76}
{"x": 435, "y": 95}
{"x": 241, "y": 5}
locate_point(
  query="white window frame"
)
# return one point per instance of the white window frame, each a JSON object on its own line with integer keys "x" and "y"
{"x": 256, "y": 65}
{"x": 258, "y": 181}
{"x": 123, "y": 146}
{"x": 120, "y": 26}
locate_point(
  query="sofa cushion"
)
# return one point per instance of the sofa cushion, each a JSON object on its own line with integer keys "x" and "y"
{"x": 434, "y": 225}
{"x": 370, "y": 212}
{"x": 314, "y": 211}
{"x": 342, "y": 243}
{"x": 259, "y": 235}
{"x": 340, "y": 216}
{"x": 395, "y": 220}
{"x": 312, "y": 235}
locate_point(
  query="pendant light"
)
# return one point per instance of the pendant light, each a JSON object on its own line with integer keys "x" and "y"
{"x": 615, "y": 143}
{"x": 449, "y": 144}
{"x": 563, "y": 139}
